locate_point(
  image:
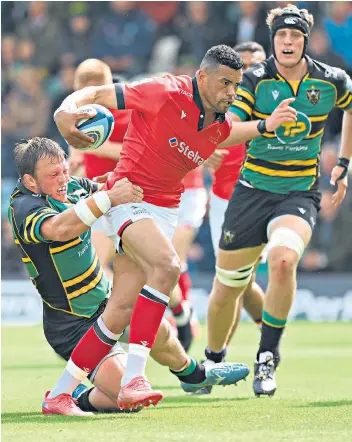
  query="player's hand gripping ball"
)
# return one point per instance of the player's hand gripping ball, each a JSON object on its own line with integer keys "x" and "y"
{"x": 98, "y": 127}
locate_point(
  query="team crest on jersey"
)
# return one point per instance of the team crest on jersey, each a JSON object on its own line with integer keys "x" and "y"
{"x": 228, "y": 236}
{"x": 313, "y": 95}
{"x": 173, "y": 142}
{"x": 216, "y": 139}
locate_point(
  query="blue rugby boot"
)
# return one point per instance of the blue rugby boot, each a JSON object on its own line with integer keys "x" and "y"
{"x": 223, "y": 373}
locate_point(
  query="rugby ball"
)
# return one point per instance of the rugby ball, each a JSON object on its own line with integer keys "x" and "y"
{"x": 98, "y": 127}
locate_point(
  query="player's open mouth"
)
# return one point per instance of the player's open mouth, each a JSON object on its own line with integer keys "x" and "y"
{"x": 62, "y": 190}
{"x": 287, "y": 52}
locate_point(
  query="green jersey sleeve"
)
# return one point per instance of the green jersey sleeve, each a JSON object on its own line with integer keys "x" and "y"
{"x": 88, "y": 185}
{"x": 27, "y": 214}
{"x": 245, "y": 98}
{"x": 344, "y": 92}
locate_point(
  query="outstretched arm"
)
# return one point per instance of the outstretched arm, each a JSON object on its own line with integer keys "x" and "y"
{"x": 339, "y": 172}
{"x": 246, "y": 130}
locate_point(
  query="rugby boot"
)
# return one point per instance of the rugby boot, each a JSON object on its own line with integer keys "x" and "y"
{"x": 63, "y": 404}
{"x": 208, "y": 388}
{"x": 222, "y": 373}
{"x": 138, "y": 392}
{"x": 264, "y": 375}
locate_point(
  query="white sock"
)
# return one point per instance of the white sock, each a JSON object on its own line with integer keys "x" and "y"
{"x": 136, "y": 363}
{"x": 71, "y": 377}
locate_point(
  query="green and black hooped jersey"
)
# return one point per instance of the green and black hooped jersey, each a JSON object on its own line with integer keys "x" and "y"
{"x": 67, "y": 275}
{"x": 288, "y": 160}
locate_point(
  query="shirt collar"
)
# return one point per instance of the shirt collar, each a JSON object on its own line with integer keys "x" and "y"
{"x": 196, "y": 97}
{"x": 275, "y": 73}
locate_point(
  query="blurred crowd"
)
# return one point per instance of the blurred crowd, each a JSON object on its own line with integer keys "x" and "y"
{"x": 43, "y": 42}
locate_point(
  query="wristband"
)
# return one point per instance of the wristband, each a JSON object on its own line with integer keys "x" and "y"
{"x": 262, "y": 127}
{"x": 343, "y": 162}
{"x": 68, "y": 105}
{"x": 84, "y": 213}
{"x": 102, "y": 200}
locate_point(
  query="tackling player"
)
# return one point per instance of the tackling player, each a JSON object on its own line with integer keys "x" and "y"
{"x": 276, "y": 200}
{"x": 45, "y": 214}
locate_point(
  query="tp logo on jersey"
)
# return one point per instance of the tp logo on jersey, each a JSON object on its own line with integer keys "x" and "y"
{"x": 173, "y": 142}
{"x": 294, "y": 132}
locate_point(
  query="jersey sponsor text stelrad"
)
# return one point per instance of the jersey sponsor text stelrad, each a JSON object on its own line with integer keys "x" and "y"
{"x": 186, "y": 151}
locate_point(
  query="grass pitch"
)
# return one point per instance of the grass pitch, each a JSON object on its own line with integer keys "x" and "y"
{"x": 313, "y": 401}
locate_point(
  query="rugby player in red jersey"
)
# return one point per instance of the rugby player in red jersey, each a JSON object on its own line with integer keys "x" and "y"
{"x": 176, "y": 123}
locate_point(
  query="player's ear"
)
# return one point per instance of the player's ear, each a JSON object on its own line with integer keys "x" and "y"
{"x": 201, "y": 75}
{"x": 29, "y": 182}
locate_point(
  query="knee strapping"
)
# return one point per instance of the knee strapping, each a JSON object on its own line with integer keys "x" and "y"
{"x": 235, "y": 278}
{"x": 286, "y": 237}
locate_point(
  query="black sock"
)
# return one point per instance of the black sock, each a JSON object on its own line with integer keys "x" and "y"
{"x": 83, "y": 401}
{"x": 193, "y": 374}
{"x": 270, "y": 338}
{"x": 215, "y": 356}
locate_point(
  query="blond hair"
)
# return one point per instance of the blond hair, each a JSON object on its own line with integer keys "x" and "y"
{"x": 92, "y": 72}
{"x": 278, "y": 11}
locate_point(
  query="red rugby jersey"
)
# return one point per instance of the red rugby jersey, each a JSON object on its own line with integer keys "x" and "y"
{"x": 96, "y": 166}
{"x": 165, "y": 138}
{"x": 226, "y": 177}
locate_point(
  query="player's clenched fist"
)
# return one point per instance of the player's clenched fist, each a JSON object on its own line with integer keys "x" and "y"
{"x": 125, "y": 192}
{"x": 282, "y": 114}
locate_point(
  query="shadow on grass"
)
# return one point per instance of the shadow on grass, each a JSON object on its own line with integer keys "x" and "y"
{"x": 19, "y": 418}
{"x": 340, "y": 403}
{"x": 200, "y": 400}
{"x": 33, "y": 416}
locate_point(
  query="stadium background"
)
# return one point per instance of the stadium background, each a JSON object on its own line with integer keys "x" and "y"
{"x": 42, "y": 43}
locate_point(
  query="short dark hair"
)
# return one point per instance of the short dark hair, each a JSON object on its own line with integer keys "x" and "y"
{"x": 249, "y": 46}
{"x": 29, "y": 152}
{"x": 221, "y": 55}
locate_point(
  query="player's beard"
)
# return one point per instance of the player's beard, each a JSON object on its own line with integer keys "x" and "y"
{"x": 222, "y": 108}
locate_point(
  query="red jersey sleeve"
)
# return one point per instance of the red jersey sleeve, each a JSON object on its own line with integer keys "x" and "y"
{"x": 147, "y": 95}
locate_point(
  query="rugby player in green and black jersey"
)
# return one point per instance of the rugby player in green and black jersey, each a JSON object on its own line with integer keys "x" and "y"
{"x": 51, "y": 214}
{"x": 276, "y": 200}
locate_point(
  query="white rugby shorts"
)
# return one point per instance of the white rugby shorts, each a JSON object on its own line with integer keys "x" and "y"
{"x": 119, "y": 217}
{"x": 193, "y": 206}
{"x": 217, "y": 211}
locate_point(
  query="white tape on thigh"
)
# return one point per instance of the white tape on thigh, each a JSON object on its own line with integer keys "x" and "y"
{"x": 286, "y": 237}
{"x": 235, "y": 278}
